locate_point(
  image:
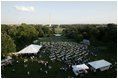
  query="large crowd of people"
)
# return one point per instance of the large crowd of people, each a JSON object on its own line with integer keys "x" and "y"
{"x": 67, "y": 52}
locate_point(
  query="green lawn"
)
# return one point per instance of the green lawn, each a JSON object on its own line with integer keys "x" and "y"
{"x": 34, "y": 67}
{"x": 54, "y": 39}
{"x": 58, "y": 30}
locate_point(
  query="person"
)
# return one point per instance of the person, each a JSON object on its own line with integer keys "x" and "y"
{"x": 13, "y": 70}
{"x": 17, "y": 61}
{"x": 33, "y": 57}
{"x": 86, "y": 72}
{"x": 40, "y": 69}
{"x": 49, "y": 67}
{"x": 2, "y": 67}
{"x": 40, "y": 56}
{"x": 38, "y": 62}
{"x": 46, "y": 72}
{"x": 28, "y": 73}
{"x": 25, "y": 60}
{"x": 10, "y": 63}
{"x": 25, "y": 65}
{"x": 45, "y": 64}
{"x": 94, "y": 70}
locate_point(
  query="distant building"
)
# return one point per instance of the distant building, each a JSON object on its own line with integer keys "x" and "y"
{"x": 58, "y": 25}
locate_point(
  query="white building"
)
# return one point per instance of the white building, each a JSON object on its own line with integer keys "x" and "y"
{"x": 77, "y": 69}
{"x": 99, "y": 64}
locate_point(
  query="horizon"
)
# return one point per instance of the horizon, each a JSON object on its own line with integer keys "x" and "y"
{"x": 61, "y": 12}
{"x": 65, "y": 24}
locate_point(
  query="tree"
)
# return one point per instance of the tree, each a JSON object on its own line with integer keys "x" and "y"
{"x": 53, "y": 29}
{"x": 85, "y": 35}
{"x": 79, "y": 37}
{"x": 70, "y": 32}
{"x": 26, "y": 34}
{"x": 5, "y": 28}
{"x": 111, "y": 37}
{"x": 39, "y": 30}
{"x": 101, "y": 33}
{"x": 13, "y": 32}
{"x": 7, "y": 44}
{"x": 46, "y": 30}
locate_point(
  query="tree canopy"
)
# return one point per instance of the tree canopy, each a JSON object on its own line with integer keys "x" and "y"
{"x": 106, "y": 34}
{"x": 7, "y": 44}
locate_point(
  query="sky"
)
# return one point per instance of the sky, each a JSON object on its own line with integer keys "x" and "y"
{"x": 58, "y": 12}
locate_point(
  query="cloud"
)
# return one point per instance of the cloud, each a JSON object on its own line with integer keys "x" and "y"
{"x": 23, "y": 8}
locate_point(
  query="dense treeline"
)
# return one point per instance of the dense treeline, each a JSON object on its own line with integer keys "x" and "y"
{"x": 79, "y": 25}
{"x": 16, "y": 37}
{"x": 104, "y": 35}
{"x": 7, "y": 45}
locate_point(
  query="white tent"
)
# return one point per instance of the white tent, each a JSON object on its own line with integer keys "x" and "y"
{"x": 100, "y": 64}
{"x": 6, "y": 61}
{"x": 79, "y": 68}
{"x": 30, "y": 49}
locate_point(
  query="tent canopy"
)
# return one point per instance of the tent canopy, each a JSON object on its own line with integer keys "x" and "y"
{"x": 5, "y": 60}
{"x": 99, "y": 64}
{"x": 80, "y": 67}
{"x": 30, "y": 49}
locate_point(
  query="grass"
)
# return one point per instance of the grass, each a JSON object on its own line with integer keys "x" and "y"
{"x": 34, "y": 67}
{"x": 58, "y": 30}
{"x": 54, "y": 39}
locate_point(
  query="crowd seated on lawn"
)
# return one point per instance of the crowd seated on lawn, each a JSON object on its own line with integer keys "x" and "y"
{"x": 67, "y": 52}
